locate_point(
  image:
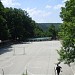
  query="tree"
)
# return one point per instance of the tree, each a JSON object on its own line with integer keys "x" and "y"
{"x": 4, "y": 32}
{"x": 52, "y": 32}
{"x": 67, "y": 32}
{"x": 38, "y": 32}
{"x": 20, "y": 25}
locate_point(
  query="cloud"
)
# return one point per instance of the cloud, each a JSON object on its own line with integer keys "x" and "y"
{"x": 38, "y": 15}
{"x": 48, "y": 6}
{"x": 10, "y": 3}
{"x": 64, "y": 1}
{"x": 59, "y": 6}
{"x": 36, "y": 12}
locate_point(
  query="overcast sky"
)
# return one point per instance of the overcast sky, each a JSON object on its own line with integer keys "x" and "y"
{"x": 42, "y": 11}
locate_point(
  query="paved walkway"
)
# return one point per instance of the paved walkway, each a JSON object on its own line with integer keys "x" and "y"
{"x": 39, "y": 59}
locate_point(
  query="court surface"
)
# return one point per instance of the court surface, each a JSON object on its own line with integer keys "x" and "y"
{"x": 38, "y": 58}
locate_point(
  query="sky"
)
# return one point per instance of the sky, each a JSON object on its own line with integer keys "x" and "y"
{"x": 41, "y": 11}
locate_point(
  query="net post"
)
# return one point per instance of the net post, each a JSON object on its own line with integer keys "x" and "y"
{"x": 24, "y": 50}
{"x": 14, "y": 51}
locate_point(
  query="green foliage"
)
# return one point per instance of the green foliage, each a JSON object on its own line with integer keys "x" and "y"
{"x": 38, "y": 32}
{"x": 15, "y": 24}
{"x": 67, "y": 33}
{"x": 45, "y": 26}
{"x": 19, "y": 23}
{"x": 4, "y": 33}
{"x": 49, "y": 29}
{"x": 26, "y": 73}
{"x": 52, "y": 32}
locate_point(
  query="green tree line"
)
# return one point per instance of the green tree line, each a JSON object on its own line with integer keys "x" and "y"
{"x": 16, "y": 24}
{"x": 67, "y": 32}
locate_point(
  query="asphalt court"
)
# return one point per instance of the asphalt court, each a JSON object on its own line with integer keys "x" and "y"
{"x": 37, "y": 58}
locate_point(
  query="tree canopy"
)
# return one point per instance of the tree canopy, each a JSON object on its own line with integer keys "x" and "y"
{"x": 52, "y": 32}
{"x": 67, "y": 33}
{"x": 19, "y": 23}
{"x": 15, "y": 24}
{"x": 3, "y": 26}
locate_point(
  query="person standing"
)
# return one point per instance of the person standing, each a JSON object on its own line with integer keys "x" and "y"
{"x": 58, "y": 69}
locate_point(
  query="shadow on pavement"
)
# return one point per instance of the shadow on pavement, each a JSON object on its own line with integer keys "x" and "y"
{"x": 5, "y": 48}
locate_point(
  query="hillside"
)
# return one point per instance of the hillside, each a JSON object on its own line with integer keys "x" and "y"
{"x": 45, "y": 26}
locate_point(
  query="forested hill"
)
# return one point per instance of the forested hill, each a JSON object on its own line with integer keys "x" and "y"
{"x": 45, "y": 26}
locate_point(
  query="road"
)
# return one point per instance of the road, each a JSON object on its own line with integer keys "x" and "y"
{"x": 38, "y": 58}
